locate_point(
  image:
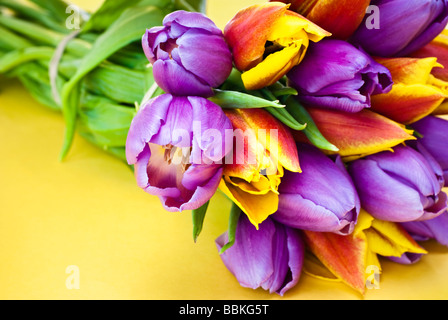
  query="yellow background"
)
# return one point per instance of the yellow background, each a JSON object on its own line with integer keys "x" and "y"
{"x": 87, "y": 211}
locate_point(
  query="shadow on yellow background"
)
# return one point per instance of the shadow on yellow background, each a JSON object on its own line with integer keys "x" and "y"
{"x": 87, "y": 215}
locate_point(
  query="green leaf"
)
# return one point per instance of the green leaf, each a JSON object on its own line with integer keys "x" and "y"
{"x": 287, "y": 119}
{"x": 129, "y": 27}
{"x": 109, "y": 11}
{"x": 235, "y": 213}
{"x": 239, "y": 100}
{"x": 110, "y": 133}
{"x": 17, "y": 57}
{"x": 198, "y": 216}
{"x": 295, "y": 108}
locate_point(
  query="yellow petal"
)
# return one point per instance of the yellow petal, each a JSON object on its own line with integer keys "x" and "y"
{"x": 408, "y": 103}
{"x": 410, "y": 70}
{"x": 274, "y": 67}
{"x": 391, "y": 240}
{"x": 257, "y": 207}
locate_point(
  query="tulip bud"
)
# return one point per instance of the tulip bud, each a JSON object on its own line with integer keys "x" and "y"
{"x": 340, "y": 17}
{"x": 434, "y": 133}
{"x": 270, "y": 257}
{"x": 172, "y": 153}
{"x": 268, "y": 40}
{"x": 399, "y": 186}
{"x": 405, "y": 26}
{"x": 322, "y": 198}
{"x": 189, "y": 54}
{"x": 414, "y": 94}
{"x": 336, "y": 75}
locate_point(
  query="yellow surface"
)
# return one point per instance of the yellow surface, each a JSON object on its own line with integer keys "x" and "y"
{"x": 88, "y": 212}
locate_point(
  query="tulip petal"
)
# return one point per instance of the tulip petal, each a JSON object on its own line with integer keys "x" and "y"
{"x": 344, "y": 256}
{"x": 357, "y": 134}
{"x": 257, "y": 206}
{"x": 391, "y": 240}
{"x": 274, "y": 67}
{"x": 408, "y": 103}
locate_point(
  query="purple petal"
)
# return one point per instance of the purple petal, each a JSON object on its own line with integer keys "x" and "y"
{"x": 270, "y": 257}
{"x": 181, "y": 21}
{"x": 173, "y": 78}
{"x": 336, "y": 75}
{"x": 405, "y": 26}
{"x": 212, "y": 64}
{"x": 430, "y": 229}
{"x": 382, "y": 196}
{"x": 145, "y": 125}
{"x": 407, "y": 258}
{"x": 309, "y": 200}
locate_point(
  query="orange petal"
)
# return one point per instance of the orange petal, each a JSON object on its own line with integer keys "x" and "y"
{"x": 357, "y": 134}
{"x": 340, "y": 17}
{"x": 248, "y": 31}
{"x": 344, "y": 256}
{"x": 269, "y": 145}
{"x": 408, "y": 103}
{"x": 438, "y": 48}
{"x": 410, "y": 70}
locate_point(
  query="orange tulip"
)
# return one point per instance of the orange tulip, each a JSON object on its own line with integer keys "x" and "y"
{"x": 415, "y": 94}
{"x": 438, "y": 48}
{"x": 267, "y": 41}
{"x": 347, "y": 258}
{"x": 340, "y": 17}
{"x": 263, "y": 148}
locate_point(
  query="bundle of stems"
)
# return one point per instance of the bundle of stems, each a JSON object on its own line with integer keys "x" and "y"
{"x": 89, "y": 66}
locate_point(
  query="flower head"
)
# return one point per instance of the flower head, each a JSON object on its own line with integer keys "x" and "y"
{"x": 399, "y": 186}
{"x": 267, "y": 40}
{"x": 189, "y": 54}
{"x": 415, "y": 94}
{"x": 263, "y": 149}
{"x": 270, "y": 257}
{"x": 322, "y": 198}
{"x": 336, "y": 75}
{"x": 174, "y": 146}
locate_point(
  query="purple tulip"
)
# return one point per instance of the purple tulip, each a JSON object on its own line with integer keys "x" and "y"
{"x": 431, "y": 229}
{"x": 435, "y": 132}
{"x": 399, "y": 186}
{"x": 270, "y": 257}
{"x": 404, "y": 26}
{"x": 175, "y": 155}
{"x": 189, "y": 54}
{"x": 336, "y": 75}
{"x": 322, "y": 198}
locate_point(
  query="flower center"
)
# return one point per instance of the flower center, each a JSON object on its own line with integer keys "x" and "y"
{"x": 169, "y": 46}
{"x": 177, "y": 156}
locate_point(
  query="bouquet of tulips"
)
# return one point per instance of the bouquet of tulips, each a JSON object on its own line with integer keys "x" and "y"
{"x": 321, "y": 121}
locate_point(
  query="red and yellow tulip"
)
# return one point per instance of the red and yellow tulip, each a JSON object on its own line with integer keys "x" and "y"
{"x": 438, "y": 48}
{"x": 268, "y": 40}
{"x": 263, "y": 148}
{"x": 415, "y": 94}
{"x": 347, "y": 258}
{"x": 340, "y": 17}
{"x": 357, "y": 134}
